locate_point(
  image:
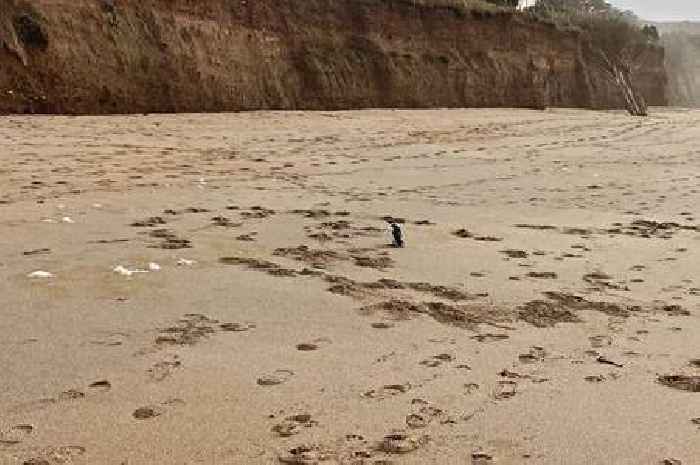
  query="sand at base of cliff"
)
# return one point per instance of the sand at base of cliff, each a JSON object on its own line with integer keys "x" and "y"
{"x": 221, "y": 289}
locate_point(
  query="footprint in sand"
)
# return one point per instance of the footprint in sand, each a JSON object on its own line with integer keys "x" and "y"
{"x": 401, "y": 442}
{"x": 536, "y": 354}
{"x": 110, "y": 340}
{"x": 382, "y": 325}
{"x": 505, "y": 390}
{"x": 164, "y": 368}
{"x": 606, "y": 361}
{"x": 437, "y": 360}
{"x": 489, "y": 337}
{"x": 306, "y": 455}
{"x": 149, "y": 222}
{"x": 43, "y": 251}
{"x": 71, "y": 394}
{"x": 15, "y": 435}
{"x": 471, "y": 388}
{"x": 237, "y": 327}
{"x": 388, "y": 390}
{"x": 425, "y": 415}
{"x": 416, "y": 420}
{"x": 52, "y": 455}
{"x": 542, "y": 274}
{"x": 307, "y": 347}
{"x": 24, "y": 429}
{"x": 275, "y": 378}
{"x": 431, "y": 363}
{"x": 292, "y": 424}
{"x": 600, "y": 341}
{"x": 147, "y": 412}
{"x": 313, "y": 345}
{"x": 102, "y": 385}
{"x": 512, "y": 253}
{"x": 481, "y": 458}
{"x": 355, "y": 447}
{"x": 681, "y": 382}
{"x": 286, "y": 429}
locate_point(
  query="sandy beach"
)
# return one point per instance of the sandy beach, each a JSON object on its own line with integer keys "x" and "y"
{"x": 221, "y": 288}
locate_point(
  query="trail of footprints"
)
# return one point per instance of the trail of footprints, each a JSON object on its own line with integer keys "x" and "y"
{"x": 421, "y": 418}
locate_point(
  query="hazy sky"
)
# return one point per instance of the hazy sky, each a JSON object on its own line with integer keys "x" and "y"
{"x": 662, "y": 10}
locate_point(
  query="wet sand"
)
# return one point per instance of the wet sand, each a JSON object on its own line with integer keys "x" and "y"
{"x": 220, "y": 289}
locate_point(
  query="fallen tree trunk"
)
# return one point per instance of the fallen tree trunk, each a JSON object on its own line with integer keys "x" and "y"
{"x": 620, "y": 73}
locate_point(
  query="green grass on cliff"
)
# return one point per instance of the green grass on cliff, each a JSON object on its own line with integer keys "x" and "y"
{"x": 469, "y": 5}
{"x": 480, "y": 6}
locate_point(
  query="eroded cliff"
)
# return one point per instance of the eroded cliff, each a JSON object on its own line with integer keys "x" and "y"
{"x": 107, "y": 56}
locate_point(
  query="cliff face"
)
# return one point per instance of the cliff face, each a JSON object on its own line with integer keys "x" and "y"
{"x": 105, "y": 56}
{"x": 682, "y": 44}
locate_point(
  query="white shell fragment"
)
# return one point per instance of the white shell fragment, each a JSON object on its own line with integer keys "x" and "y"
{"x": 122, "y": 270}
{"x": 40, "y": 275}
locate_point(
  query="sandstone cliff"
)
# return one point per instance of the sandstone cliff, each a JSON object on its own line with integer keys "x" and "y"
{"x": 106, "y": 56}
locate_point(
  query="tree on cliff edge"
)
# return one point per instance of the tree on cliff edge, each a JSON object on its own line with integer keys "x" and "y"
{"x": 615, "y": 41}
